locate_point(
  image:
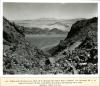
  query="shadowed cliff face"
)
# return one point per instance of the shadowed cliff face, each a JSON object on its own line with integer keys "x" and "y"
{"x": 80, "y": 31}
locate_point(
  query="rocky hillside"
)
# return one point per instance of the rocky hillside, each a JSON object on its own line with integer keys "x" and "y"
{"x": 82, "y": 31}
{"x": 18, "y": 56}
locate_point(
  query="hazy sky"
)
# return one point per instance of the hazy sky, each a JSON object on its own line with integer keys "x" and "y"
{"x": 26, "y": 11}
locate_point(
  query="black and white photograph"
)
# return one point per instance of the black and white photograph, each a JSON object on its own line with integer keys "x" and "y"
{"x": 50, "y": 38}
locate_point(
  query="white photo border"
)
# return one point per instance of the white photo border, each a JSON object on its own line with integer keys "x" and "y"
{"x": 46, "y": 1}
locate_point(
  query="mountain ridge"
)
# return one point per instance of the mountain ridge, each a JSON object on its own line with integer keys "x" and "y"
{"x": 44, "y": 22}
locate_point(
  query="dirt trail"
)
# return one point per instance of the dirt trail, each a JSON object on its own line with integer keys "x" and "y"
{"x": 72, "y": 47}
{"x": 60, "y": 55}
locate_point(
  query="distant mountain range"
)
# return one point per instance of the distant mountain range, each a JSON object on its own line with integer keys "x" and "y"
{"x": 47, "y": 25}
{"x": 50, "y": 23}
{"x": 36, "y": 30}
